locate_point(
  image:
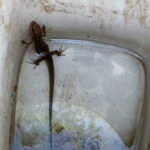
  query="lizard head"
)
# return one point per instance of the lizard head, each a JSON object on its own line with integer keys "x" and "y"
{"x": 36, "y": 29}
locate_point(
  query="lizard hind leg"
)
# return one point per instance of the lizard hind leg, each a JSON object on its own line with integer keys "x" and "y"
{"x": 37, "y": 61}
{"x": 31, "y": 61}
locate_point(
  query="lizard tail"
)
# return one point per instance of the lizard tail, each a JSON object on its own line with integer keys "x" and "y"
{"x": 50, "y": 126}
{"x": 51, "y": 75}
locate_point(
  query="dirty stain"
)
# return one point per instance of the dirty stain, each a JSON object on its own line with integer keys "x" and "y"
{"x": 96, "y": 9}
{"x": 69, "y": 4}
{"x": 49, "y": 8}
{"x": 56, "y": 6}
{"x": 59, "y": 129}
{"x": 15, "y": 88}
{"x": 115, "y": 12}
{"x": 101, "y": 14}
{"x": 136, "y": 9}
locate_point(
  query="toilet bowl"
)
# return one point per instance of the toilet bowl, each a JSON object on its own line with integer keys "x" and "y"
{"x": 101, "y": 96}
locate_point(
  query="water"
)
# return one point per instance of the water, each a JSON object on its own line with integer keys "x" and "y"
{"x": 98, "y": 97}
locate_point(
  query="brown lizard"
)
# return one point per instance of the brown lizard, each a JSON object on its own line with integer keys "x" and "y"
{"x": 42, "y": 48}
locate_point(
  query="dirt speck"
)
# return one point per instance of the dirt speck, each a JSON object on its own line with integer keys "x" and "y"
{"x": 114, "y": 12}
{"x": 95, "y": 9}
{"x": 15, "y": 88}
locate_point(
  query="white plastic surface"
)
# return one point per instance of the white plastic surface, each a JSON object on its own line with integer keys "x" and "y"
{"x": 122, "y": 22}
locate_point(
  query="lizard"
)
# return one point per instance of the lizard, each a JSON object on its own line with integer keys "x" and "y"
{"x": 45, "y": 54}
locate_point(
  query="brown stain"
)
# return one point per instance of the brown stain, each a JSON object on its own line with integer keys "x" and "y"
{"x": 15, "y": 88}
{"x": 59, "y": 129}
{"x": 69, "y": 5}
{"x": 136, "y": 9}
{"x": 101, "y": 14}
{"x": 96, "y": 10}
{"x": 59, "y": 6}
{"x": 48, "y": 9}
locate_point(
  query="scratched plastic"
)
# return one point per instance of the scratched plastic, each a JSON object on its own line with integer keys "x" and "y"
{"x": 98, "y": 98}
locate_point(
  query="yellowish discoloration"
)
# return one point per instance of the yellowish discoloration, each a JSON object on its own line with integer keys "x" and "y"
{"x": 136, "y": 9}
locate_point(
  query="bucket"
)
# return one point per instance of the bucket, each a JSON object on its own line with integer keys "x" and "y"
{"x": 101, "y": 98}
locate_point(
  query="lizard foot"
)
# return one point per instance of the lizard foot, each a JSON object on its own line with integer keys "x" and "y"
{"x": 60, "y": 51}
{"x": 35, "y": 62}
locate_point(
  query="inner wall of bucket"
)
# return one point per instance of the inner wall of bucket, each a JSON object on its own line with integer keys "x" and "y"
{"x": 123, "y": 23}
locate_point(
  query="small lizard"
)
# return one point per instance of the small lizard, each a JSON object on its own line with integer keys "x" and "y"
{"x": 45, "y": 54}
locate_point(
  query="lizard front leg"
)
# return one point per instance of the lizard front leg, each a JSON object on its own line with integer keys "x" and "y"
{"x": 27, "y": 43}
{"x": 43, "y": 56}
